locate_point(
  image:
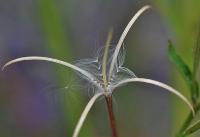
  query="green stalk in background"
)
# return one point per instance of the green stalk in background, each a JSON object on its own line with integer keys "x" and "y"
{"x": 59, "y": 47}
{"x": 183, "y": 18}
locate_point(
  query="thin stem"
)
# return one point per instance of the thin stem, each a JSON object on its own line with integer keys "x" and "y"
{"x": 185, "y": 125}
{"x": 111, "y": 115}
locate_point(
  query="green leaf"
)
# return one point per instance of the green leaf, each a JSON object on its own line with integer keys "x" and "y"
{"x": 185, "y": 71}
{"x": 180, "y": 64}
{"x": 192, "y": 129}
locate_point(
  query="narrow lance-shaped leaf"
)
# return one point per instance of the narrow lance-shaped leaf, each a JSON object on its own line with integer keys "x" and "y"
{"x": 184, "y": 70}
{"x": 193, "y": 128}
{"x": 180, "y": 64}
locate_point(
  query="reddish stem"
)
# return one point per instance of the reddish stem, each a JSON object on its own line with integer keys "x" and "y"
{"x": 111, "y": 115}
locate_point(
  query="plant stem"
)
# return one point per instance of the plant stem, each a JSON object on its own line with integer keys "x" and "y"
{"x": 187, "y": 122}
{"x": 111, "y": 115}
{"x": 185, "y": 125}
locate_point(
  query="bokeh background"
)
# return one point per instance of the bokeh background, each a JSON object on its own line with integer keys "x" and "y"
{"x": 39, "y": 99}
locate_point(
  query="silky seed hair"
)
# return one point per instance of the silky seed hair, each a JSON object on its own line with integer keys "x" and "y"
{"x": 95, "y": 72}
{"x": 117, "y": 74}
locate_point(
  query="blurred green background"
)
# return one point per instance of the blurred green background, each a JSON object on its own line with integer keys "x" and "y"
{"x": 33, "y": 99}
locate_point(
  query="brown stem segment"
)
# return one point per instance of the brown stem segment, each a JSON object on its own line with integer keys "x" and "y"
{"x": 111, "y": 115}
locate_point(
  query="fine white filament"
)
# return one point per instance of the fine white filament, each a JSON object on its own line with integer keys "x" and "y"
{"x": 123, "y": 36}
{"x": 89, "y": 71}
{"x": 85, "y": 113}
{"x": 38, "y": 58}
{"x": 159, "y": 84}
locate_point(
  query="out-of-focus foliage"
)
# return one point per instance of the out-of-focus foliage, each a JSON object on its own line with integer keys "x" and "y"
{"x": 196, "y": 56}
{"x": 59, "y": 47}
{"x": 183, "y": 17}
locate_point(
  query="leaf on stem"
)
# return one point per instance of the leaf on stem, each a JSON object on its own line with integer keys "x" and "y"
{"x": 180, "y": 64}
{"x": 193, "y": 128}
{"x": 184, "y": 70}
